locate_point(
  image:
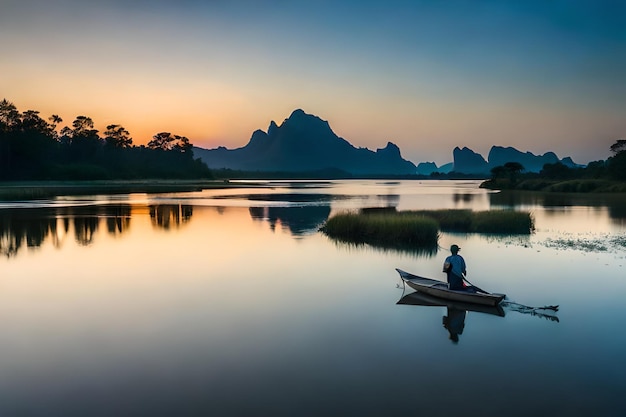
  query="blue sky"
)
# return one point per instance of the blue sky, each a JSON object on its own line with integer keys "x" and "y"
{"x": 426, "y": 75}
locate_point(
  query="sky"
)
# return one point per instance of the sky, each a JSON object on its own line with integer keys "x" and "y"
{"x": 427, "y": 75}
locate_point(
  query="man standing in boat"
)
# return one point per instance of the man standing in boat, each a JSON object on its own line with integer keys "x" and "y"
{"x": 454, "y": 266}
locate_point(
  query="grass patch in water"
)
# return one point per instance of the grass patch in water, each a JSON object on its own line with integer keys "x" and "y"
{"x": 493, "y": 222}
{"x": 420, "y": 229}
{"x": 384, "y": 230}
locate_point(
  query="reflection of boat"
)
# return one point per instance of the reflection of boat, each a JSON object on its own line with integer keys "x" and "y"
{"x": 421, "y": 299}
{"x": 440, "y": 289}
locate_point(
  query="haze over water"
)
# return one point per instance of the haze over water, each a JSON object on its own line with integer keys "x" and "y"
{"x": 230, "y": 302}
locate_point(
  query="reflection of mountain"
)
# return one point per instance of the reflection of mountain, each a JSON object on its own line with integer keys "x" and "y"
{"x": 389, "y": 200}
{"x": 168, "y": 215}
{"x": 31, "y": 227}
{"x": 299, "y": 220}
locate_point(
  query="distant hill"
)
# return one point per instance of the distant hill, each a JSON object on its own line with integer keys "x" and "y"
{"x": 304, "y": 142}
{"x": 428, "y": 168}
{"x": 469, "y": 162}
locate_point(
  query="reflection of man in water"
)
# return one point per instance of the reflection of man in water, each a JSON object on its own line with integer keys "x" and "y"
{"x": 454, "y": 322}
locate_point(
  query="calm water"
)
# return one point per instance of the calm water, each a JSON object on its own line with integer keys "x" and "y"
{"x": 230, "y": 303}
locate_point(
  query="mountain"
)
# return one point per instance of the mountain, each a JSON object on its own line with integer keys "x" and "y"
{"x": 499, "y": 155}
{"x": 469, "y": 162}
{"x": 304, "y": 142}
{"x": 427, "y": 168}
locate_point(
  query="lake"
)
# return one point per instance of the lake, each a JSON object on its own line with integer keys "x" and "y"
{"x": 231, "y": 303}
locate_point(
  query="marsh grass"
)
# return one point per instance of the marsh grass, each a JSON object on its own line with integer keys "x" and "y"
{"x": 420, "y": 229}
{"x": 384, "y": 230}
{"x": 492, "y": 221}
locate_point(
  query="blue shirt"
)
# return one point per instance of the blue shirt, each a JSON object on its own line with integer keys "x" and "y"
{"x": 458, "y": 264}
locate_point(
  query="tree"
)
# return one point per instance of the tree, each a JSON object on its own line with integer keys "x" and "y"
{"x": 55, "y": 119}
{"x": 497, "y": 172}
{"x": 54, "y": 122}
{"x": 83, "y": 126}
{"x": 117, "y": 137}
{"x": 513, "y": 169}
{"x": 83, "y": 140}
{"x": 556, "y": 171}
{"x": 9, "y": 116}
{"x": 31, "y": 122}
{"x": 617, "y": 163}
{"x": 619, "y": 146}
{"x": 182, "y": 144}
{"x": 163, "y": 141}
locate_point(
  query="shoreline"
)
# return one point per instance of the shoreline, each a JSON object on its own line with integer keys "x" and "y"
{"x": 575, "y": 186}
{"x": 33, "y": 190}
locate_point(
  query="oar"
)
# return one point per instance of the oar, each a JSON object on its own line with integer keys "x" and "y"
{"x": 479, "y": 289}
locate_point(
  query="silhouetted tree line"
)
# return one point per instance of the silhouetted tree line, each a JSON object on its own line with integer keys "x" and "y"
{"x": 32, "y": 148}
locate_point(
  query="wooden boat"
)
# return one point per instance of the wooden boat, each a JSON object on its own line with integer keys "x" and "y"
{"x": 422, "y": 299}
{"x": 440, "y": 289}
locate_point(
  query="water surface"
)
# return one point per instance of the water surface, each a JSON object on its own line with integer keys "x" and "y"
{"x": 230, "y": 303}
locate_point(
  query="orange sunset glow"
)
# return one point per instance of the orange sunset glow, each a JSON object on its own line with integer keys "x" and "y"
{"x": 537, "y": 78}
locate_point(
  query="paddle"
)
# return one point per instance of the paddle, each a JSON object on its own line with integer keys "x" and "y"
{"x": 479, "y": 289}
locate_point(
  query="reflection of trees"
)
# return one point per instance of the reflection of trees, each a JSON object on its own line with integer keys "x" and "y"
{"x": 299, "y": 220}
{"x": 391, "y": 200}
{"x": 464, "y": 198}
{"x": 18, "y": 228}
{"x": 618, "y": 214}
{"x": 513, "y": 199}
{"x": 168, "y": 215}
{"x": 118, "y": 219}
{"x": 84, "y": 229}
{"x": 32, "y": 227}
{"x": 615, "y": 203}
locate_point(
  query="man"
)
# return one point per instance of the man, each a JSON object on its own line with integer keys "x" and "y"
{"x": 454, "y": 266}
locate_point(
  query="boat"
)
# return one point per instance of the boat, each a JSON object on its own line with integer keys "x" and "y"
{"x": 440, "y": 289}
{"x": 422, "y": 299}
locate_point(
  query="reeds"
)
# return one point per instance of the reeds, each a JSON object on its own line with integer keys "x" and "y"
{"x": 383, "y": 229}
{"x": 420, "y": 229}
